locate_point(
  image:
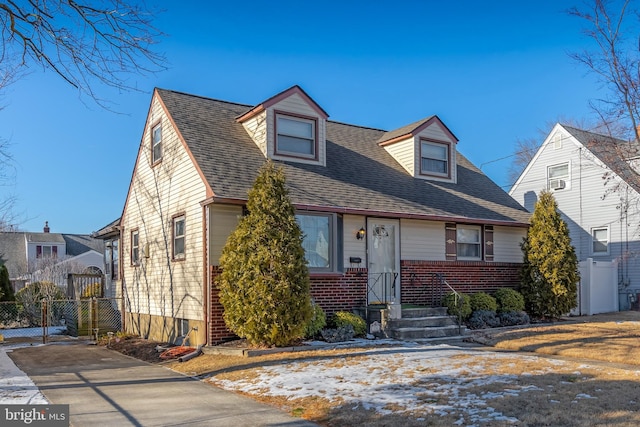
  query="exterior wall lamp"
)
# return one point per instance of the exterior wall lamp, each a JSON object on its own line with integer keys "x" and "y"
{"x": 360, "y": 233}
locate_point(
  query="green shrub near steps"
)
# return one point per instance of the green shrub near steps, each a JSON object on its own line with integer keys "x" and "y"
{"x": 483, "y": 301}
{"x": 509, "y": 300}
{"x": 458, "y": 306}
{"x": 343, "y": 318}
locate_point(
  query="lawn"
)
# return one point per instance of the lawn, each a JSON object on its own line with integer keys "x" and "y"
{"x": 579, "y": 372}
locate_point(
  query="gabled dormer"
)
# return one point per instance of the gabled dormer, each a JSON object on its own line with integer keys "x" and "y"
{"x": 289, "y": 126}
{"x": 426, "y": 149}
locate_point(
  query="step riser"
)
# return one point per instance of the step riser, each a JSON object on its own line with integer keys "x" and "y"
{"x": 410, "y": 313}
{"x": 425, "y": 322}
{"x": 425, "y": 333}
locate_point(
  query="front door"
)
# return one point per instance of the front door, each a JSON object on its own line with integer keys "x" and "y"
{"x": 383, "y": 236}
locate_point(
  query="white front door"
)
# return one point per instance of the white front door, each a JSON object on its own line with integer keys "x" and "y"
{"x": 383, "y": 237}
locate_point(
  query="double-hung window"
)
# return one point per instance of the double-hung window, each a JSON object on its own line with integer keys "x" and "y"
{"x": 178, "y": 237}
{"x": 319, "y": 241}
{"x": 46, "y": 251}
{"x": 600, "y": 241}
{"x": 434, "y": 158}
{"x": 296, "y": 136}
{"x": 558, "y": 177}
{"x": 156, "y": 143}
{"x": 135, "y": 247}
{"x": 468, "y": 242}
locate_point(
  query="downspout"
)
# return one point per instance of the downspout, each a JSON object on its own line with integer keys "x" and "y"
{"x": 206, "y": 273}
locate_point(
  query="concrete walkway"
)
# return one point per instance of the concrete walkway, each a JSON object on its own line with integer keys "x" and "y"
{"x": 106, "y": 388}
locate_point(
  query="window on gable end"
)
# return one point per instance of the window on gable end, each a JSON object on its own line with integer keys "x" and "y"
{"x": 178, "y": 237}
{"x": 558, "y": 177}
{"x": 434, "y": 158}
{"x": 135, "y": 247}
{"x": 296, "y": 136}
{"x": 156, "y": 143}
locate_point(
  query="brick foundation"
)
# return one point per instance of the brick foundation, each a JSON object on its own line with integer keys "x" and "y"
{"x": 421, "y": 286}
{"x": 344, "y": 292}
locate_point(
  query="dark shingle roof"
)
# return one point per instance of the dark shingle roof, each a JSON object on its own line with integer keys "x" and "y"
{"x": 80, "y": 243}
{"x": 614, "y": 153}
{"x": 359, "y": 176}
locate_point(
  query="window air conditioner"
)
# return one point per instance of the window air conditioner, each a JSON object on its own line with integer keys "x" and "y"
{"x": 557, "y": 184}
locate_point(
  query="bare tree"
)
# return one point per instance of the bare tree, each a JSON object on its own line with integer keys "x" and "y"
{"x": 84, "y": 42}
{"x": 612, "y": 26}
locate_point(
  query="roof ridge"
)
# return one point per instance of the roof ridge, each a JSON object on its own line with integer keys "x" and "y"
{"x": 205, "y": 97}
{"x": 355, "y": 126}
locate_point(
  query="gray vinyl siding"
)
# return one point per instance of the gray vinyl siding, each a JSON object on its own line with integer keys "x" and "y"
{"x": 586, "y": 203}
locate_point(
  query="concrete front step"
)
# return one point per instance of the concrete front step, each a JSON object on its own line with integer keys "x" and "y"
{"x": 423, "y": 312}
{"x": 421, "y": 322}
{"x": 420, "y": 333}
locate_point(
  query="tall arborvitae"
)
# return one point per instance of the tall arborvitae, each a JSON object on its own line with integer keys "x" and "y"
{"x": 6, "y": 290}
{"x": 550, "y": 272}
{"x": 264, "y": 284}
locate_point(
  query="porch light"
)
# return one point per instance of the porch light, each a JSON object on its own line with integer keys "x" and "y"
{"x": 360, "y": 234}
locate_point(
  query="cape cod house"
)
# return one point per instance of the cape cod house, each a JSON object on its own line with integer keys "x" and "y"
{"x": 594, "y": 180}
{"x": 383, "y": 211}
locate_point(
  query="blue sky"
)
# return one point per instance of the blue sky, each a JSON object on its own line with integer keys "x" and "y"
{"x": 493, "y": 71}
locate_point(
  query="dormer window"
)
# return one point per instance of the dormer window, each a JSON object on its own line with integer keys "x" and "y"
{"x": 434, "y": 158}
{"x": 296, "y": 136}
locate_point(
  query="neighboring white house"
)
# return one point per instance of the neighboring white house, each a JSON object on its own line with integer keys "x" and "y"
{"x": 592, "y": 179}
{"x": 384, "y": 213}
{"x": 34, "y": 256}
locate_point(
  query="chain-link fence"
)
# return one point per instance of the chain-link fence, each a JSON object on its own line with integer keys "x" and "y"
{"x": 86, "y": 317}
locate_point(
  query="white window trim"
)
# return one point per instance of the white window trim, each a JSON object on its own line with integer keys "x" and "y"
{"x": 314, "y": 131}
{"x": 593, "y": 230}
{"x": 444, "y": 144}
{"x": 333, "y": 242}
{"x": 179, "y": 256}
{"x": 155, "y": 143}
{"x": 565, "y": 178}
{"x": 480, "y": 248}
{"x": 135, "y": 248}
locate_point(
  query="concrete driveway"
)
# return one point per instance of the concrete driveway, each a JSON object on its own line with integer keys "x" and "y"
{"x": 106, "y": 388}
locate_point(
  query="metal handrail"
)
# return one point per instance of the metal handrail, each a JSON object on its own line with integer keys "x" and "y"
{"x": 457, "y": 299}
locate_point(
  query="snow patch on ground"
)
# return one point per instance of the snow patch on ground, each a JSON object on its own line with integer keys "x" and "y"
{"x": 412, "y": 378}
{"x": 15, "y": 386}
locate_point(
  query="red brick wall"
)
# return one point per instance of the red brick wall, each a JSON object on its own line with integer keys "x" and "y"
{"x": 340, "y": 292}
{"x": 349, "y": 290}
{"x": 218, "y": 331}
{"x": 420, "y": 286}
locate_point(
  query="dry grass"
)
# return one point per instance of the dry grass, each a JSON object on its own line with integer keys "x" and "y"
{"x": 596, "y": 382}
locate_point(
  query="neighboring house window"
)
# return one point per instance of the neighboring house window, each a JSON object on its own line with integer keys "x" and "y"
{"x": 468, "y": 242}
{"x": 600, "y": 239}
{"x": 178, "y": 237}
{"x": 434, "y": 158}
{"x": 46, "y": 251}
{"x": 135, "y": 247}
{"x": 319, "y": 242}
{"x": 156, "y": 143}
{"x": 296, "y": 136}
{"x": 558, "y": 177}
